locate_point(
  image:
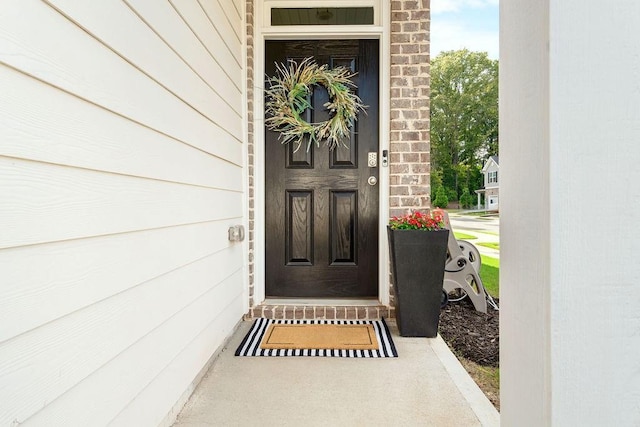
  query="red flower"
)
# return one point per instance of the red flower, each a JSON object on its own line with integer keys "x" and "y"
{"x": 427, "y": 221}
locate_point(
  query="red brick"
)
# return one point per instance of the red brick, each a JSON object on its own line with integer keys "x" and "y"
{"x": 420, "y": 146}
{"x": 410, "y": 157}
{"x": 420, "y": 124}
{"x": 420, "y": 168}
{"x": 410, "y": 179}
{"x": 410, "y": 114}
{"x": 288, "y": 312}
{"x": 399, "y": 147}
{"x": 420, "y": 190}
{"x": 400, "y": 168}
{"x": 410, "y": 5}
{"x": 399, "y": 191}
{"x": 411, "y": 27}
{"x": 400, "y": 59}
{"x": 373, "y": 312}
{"x": 399, "y": 81}
{"x": 400, "y": 103}
{"x": 412, "y": 92}
{"x": 410, "y": 48}
{"x": 410, "y": 136}
{"x": 419, "y": 81}
{"x": 417, "y": 15}
{"x": 399, "y": 16}
{"x": 409, "y": 201}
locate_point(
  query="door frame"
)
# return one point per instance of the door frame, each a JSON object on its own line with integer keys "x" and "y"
{"x": 262, "y": 32}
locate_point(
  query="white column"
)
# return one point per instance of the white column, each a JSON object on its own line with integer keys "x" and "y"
{"x": 569, "y": 128}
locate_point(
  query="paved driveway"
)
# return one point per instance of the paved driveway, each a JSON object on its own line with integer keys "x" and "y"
{"x": 485, "y": 229}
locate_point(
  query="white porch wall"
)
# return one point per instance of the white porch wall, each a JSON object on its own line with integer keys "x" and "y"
{"x": 570, "y": 213}
{"x": 122, "y": 167}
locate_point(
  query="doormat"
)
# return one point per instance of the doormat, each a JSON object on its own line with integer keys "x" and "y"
{"x": 323, "y": 338}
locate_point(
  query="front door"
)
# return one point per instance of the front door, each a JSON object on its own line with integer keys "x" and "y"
{"x": 321, "y": 210}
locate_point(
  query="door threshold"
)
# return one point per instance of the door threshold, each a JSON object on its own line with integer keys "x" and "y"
{"x": 301, "y": 302}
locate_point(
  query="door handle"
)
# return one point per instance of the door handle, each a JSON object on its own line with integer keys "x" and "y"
{"x": 372, "y": 180}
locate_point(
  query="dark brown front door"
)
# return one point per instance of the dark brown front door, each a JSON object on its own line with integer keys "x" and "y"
{"x": 321, "y": 212}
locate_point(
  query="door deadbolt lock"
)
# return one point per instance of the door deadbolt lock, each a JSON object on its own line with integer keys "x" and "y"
{"x": 372, "y": 159}
{"x": 372, "y": 180}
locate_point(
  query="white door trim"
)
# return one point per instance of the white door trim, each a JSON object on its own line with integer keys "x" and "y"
{"x": 261, "y": 34}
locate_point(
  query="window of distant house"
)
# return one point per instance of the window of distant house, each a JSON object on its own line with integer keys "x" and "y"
{"x": 492, "y": 177}
{"x": 322, "y": 16}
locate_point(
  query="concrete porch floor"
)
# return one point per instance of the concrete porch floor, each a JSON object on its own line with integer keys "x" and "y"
{"x": 424, "y": 386}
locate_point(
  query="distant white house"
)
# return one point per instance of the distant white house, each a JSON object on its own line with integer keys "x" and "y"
{"x": 491, "y": 184}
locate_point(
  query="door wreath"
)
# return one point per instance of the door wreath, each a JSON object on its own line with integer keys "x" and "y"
{"x": 288, "y": 97}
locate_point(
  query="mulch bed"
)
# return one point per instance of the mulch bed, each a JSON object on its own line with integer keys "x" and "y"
{"x": 471, "y": 334}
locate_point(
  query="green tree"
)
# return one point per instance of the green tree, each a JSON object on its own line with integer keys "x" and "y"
{"x": 441, "y": 200}
{"x": 466, "y": 199}
{"x": 464, "y": 117}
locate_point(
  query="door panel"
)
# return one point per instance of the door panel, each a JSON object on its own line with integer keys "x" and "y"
{"x": 321, "y": 213}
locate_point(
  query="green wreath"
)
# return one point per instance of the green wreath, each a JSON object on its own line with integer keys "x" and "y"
{"x": 288, "y": 98}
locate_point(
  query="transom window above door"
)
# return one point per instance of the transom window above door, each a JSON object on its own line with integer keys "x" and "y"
{"x": 282, "y": 14}
{"x": 321, "y": 16}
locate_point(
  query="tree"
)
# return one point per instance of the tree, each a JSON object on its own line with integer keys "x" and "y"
{"x": 466, "y": 199}
{"x": 441, "y": 200}
{"x": 464, "y": 117}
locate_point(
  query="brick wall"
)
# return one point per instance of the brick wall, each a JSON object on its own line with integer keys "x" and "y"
{"x": 409, "y": 143}
{"x": 250, "y": 146}
{"x": 409, "y": 152}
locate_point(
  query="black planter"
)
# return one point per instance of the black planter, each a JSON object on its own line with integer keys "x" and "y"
{"x": 417, "y": 265}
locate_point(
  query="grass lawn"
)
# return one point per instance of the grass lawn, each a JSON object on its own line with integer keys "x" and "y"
{"x": 487, "y": 378}
{"x": 481, "y": 213}
{"x": 490, "y": 275}
{"x": 490, "y": 245}
{"x": 463, "y": 236}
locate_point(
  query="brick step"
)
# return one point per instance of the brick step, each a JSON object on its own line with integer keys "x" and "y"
{"x": 329, "y": 312}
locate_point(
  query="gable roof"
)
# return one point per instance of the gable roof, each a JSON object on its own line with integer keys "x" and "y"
{"x": 495, "y": 159}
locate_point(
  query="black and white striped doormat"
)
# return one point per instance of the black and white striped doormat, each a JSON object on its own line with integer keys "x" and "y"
{"x": 250, "y": 345}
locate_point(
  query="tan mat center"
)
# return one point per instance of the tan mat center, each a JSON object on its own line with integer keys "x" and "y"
{"x": 335, "y": 337}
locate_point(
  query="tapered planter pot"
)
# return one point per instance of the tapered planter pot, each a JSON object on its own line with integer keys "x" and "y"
{"x": 417, "y": 265}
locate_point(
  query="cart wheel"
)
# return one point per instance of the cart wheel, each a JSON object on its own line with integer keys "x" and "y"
{"x": 471, "y": 253}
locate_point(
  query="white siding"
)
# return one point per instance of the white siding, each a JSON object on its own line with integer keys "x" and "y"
{"x": 491, "y": 167}
{"x": 121, "y": 169}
